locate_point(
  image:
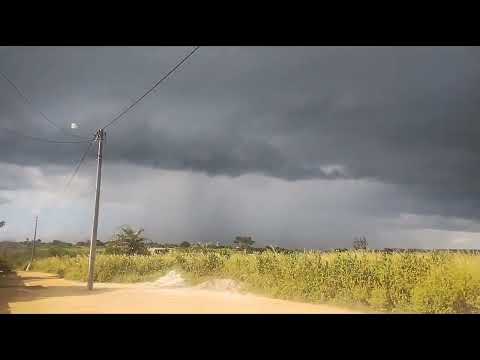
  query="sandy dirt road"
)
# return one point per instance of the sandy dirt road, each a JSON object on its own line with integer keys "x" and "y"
{"x": 33, "y": 292}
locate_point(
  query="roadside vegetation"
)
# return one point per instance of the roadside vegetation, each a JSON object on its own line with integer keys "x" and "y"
{"x": 414, "y": 282}
{"x": 399, "y": 282}
{"x": 18, "y": 254}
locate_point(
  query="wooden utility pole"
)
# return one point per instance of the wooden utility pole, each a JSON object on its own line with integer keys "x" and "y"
{"x": 33, "y": 244}
{"x": 99, "y": 137}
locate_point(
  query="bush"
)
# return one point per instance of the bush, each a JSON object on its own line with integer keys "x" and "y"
{"x": 56, "y": 251}
{"x": 107, "y": 267}
{"x": 5, "y": 266}
{"x": 60, "y": 243}
{"x": 453, "y": 287}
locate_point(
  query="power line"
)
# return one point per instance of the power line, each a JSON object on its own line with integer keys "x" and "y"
{"x": 29, "y": 102}
{"x": 79, "y": 164}
{"x": 152, "y": 88}
{"x": 100, "y": 137}
{"x": 17, "y": 133}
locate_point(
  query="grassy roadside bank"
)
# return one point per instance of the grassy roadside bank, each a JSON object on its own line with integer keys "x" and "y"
{"x": 18, "y": 256}
{"x": 399, "y": 282}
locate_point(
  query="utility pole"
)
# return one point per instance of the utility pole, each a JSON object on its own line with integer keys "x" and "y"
{"x": 99, "y": 137}
{"x": 33, "y": 244}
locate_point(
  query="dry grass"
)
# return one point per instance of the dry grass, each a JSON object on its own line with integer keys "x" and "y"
{"x": 398, "y": 282}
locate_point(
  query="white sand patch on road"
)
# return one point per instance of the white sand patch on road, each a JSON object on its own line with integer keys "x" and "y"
{"x": 220, "y": 285}
{"x": 171, "y": 280}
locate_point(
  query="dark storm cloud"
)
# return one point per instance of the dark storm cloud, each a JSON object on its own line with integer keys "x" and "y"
{"x": 402, "y": 116}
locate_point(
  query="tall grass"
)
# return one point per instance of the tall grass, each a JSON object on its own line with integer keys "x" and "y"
{"x": 19, "y": 256}
{"x": 398, "y": 282}
{"x": 108, "y": 268}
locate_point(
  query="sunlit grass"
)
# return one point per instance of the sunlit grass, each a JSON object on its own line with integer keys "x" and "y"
{"x": 398, "y": 282}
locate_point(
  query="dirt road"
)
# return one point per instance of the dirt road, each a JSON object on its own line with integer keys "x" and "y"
{"x": 33, "y": 292}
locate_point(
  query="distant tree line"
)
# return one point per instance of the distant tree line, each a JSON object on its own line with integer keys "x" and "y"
{"x": 87, "y": 243}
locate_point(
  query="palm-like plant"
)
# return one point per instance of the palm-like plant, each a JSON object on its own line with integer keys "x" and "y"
{"x": 128, "y": 241}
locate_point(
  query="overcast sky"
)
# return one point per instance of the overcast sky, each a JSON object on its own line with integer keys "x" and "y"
{"x": 298, "y": 147}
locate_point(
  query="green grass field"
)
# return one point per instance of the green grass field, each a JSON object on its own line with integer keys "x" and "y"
{"x": 398, "y": 282}
{"x": 17, "y": 256}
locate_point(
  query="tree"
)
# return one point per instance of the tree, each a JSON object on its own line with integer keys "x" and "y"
{"x": 185, "y": 244}
{"x": 243, "y": 242}
{"x": 127, "y": 241}
{"x": 87, "y": 243}
{"x": 2, "y": 224}
{"x": 360, "y": 243}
